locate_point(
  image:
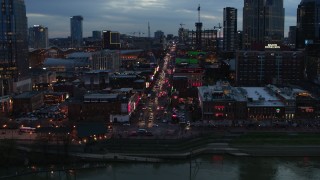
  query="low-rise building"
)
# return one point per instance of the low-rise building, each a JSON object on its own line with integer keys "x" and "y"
{"x": 27, "y": 102}
{"x": 96, "y": 79}
{"x": 104, "y": 107}
{"x": 222, "y": 101}
{"x": 55, "y": 97}
{"x": 194, "y": 75}
{"x": 261, "y": 104}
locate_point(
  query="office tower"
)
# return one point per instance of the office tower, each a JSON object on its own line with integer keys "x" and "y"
{"x": 308, "y": 22}
{"x": 158, "y": 35}
{"x": 292, "y": 35}
{"x": 76, "y": 31}
{"x": 263, "y": 23}
{"x": 239, "y": 40}
{"x": 14, "y": 63}
{"x": 96, "y": 35}
{"x": 38, "y": 37}
{"x": 229, "y": 28}
{"x": 111, "y": 40}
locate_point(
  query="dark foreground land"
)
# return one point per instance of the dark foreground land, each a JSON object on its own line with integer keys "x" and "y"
{"x": 13, "y": 154}
{"x": 239, "y": 144}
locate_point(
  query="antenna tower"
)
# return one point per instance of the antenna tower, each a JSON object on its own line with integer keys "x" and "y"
{"x": 148, "y": 29}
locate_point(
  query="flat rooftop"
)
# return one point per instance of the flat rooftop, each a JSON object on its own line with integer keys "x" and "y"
{"x": 99, "y": 97}
{"x": 260, "y": 96}
{"x": 26, "y": 95}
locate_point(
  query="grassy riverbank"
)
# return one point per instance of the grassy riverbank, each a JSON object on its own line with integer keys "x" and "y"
{"x": 252, "y": 143}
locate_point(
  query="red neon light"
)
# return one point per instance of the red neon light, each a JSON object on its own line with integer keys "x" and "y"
{"x": 218, "y": 114}
{"x": 129, "y": 108}
{"x": 219, "y": 107}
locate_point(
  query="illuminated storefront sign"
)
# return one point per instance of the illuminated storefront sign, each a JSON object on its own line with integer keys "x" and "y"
{"x": 272, "y": 46}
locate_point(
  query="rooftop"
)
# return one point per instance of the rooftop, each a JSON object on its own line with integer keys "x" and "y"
{"x": 220, "y": 91}
{"x": 79, "y": 55}
{"x": 260, "y": 96}
{"x": 99, "y": 97}
{"x": 98, "y": 71}
{"x": 28, "y": 94}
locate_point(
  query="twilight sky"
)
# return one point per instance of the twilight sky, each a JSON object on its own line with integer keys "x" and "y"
{"x": 127, "y": 16}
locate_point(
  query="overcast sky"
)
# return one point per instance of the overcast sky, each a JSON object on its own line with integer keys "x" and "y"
{"x": 128, "y": 16}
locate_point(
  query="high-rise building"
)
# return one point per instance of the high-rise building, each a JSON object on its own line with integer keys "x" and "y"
{"x": 111, "y": 40}
{"x": 263, "y": 23}
{"x": 308, "y": 22}
{"x": 292, "y": 35}
{"x": 76, "y": 31}
{"x": 14, "y": 63}
{"x": 38, "y": 37}
{"x": 158, "y": 35}
{"x": 239, "y": 40}
{"x": 272, "y": 66}
{"x": 229, "y": 28}
{"x": 96, "y": 35}
{"x": 183, "y": 34}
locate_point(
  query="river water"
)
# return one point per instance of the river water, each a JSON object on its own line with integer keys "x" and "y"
{"x": 206, "y": 167}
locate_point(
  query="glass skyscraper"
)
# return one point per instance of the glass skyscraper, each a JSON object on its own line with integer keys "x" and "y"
{"x": 263, "y": 22}
{"x": 14, "y": 63}
{"x": 308, "y": 23}
{"x": 229, "y": 28}
{"x": 76, "y": 31}
{"x": 38, "y": 37}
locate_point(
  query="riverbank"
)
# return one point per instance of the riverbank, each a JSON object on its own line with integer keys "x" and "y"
{"x": 159, "y": 150}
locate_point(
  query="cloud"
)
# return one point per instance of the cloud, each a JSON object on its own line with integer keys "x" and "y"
{"x": 133, "y": 15}
{"x": 37, "y": 15}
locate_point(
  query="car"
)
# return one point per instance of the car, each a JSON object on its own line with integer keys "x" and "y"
{"x": 126, "y": 124}
{"x": 142, "y": 130}
{"x": 164, "y": 121}
{"x": 155, "y": 125}
{"x": 133, "y": 133}
{"x": 149, "y": 133}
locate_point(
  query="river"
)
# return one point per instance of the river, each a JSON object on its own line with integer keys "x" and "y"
{"x": 205, "y": 167}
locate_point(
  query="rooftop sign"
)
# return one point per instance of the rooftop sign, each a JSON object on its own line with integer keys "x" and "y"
{"x": 272, "y": 46}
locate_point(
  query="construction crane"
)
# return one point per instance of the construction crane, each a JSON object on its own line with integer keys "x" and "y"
{"x": 199, "y": 13}
{"x": 219, "y": 28}
{"x": 181, "y": 25}
{"x": 218, "y": 38}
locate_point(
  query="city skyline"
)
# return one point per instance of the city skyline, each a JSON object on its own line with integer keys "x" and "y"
{"x": 128, "y": 17}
